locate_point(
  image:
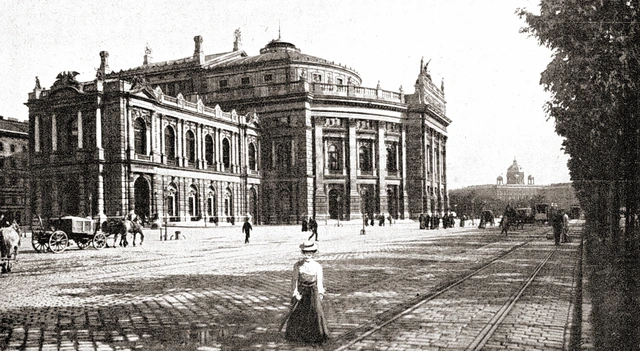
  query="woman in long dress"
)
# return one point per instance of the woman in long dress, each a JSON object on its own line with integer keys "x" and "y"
{"x": 307, "y": 322}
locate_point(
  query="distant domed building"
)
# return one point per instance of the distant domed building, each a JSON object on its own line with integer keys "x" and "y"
{"x": 515, "y": 189}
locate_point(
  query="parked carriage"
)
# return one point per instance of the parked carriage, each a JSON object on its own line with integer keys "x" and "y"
{"x": 56, "y": 234}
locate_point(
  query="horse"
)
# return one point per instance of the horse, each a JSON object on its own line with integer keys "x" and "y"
{"x": 10, "y": 240}
{"x": 117, "y": 226}
{"x": 134, "y": 227}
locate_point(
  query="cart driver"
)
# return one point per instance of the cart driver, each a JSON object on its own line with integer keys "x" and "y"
{"x": 132, "y": 216}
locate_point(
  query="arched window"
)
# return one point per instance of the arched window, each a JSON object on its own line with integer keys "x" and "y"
{"x": 191, "y": 147}
{"x": 212, "y": 208}
{"x": 12, "y": 148}
{"x": 172, "y": 200}
{"x": 226, "y": 153}
{"x": 193, "y": 201}
{"x": 333, "y": 158}
{"x": 72, "y": 134}
{"x": 252, "y": 157}
{"x": 208, "y": 149}
{"x": 392, "y": 159}
{"x": 140, "y": 136}
{"x": 169, "y": 143}
{"x": 365, "y": 159}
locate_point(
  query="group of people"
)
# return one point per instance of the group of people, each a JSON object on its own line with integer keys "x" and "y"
{"x": 310, "y": 225}
{"x": 560, "y": 224}
{"x": 432, "y": 221}
{"x": 371, "y": 219}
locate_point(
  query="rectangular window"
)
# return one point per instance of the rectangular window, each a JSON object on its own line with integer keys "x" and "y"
{"x": 317, "y": 77}
{"x": 339, "y": 81}
{"x": 268, "y": 77}
{"x": 224, "y": 83}
{"x": 245, "y": 81}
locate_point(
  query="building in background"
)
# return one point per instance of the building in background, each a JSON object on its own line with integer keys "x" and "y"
{"x": 302, "y": 138}
{"x": 516, "y": 192}
{"x": 14, "y": 140}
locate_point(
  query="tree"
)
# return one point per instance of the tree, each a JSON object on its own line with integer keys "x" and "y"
{"x": 593, "y": 80}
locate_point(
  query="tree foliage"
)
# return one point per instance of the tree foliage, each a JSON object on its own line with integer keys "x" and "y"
{"x": 593, "y": 79}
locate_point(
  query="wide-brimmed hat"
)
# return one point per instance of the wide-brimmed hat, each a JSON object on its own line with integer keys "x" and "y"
{"x": 309, "y": 246}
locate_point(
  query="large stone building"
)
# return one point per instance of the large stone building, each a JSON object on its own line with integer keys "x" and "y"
{"x": 14, "y": 141}
{"x": 301, "y": 138}
{"x": 561, "y": 195}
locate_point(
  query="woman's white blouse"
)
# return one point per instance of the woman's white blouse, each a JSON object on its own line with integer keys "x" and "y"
{"x": 307, "y": 267}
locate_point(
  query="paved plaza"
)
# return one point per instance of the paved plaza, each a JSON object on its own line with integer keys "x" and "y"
{"x": 210, "y": 291}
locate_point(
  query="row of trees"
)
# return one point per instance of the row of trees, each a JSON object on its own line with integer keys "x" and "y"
{"x": 594, "y": 78}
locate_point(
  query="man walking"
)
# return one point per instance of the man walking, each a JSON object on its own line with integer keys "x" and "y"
{"x": 313, "y": 226}
{"x": 246, "y": 229}
{"x": 565, "y": 227}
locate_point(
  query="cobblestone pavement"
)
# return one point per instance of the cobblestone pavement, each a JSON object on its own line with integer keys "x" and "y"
{"x": 211, "y": 291}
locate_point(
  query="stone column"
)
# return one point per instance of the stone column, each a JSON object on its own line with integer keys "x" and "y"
{"x": 54, "y": 134}
{"x": 36, "y": 132}
{"x": 79, "y": 129}
{"x": 382, "y": 169}
{"x": 218, "y": 146}
{"x": 321, "y": 209}
{"x": 180, "y": 143}
{"x": 354, "y": 195}
{"x": 129, "y": 131}
{"x": 100, "y": 156}
{"x": 404, "y": 211}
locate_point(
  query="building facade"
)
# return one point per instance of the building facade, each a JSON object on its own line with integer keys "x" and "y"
{"x": 14, "y": 141}
{"x": 561, "y": 195}
{"x": 303, "y": 138}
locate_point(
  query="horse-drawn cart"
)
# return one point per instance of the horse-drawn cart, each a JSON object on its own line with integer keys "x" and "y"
{"x": 56, "y": 234}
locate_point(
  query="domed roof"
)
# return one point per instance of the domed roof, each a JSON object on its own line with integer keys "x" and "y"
{"x": 514, "y": 168}
{"x": 279, "y": 50}
{"x": 500, "y": 178}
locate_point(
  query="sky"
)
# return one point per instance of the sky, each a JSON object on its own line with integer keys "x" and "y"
{"x": 491, "y": 71}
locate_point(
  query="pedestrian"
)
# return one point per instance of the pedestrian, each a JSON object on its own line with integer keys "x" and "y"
{"x": 381, "y": 220}
{"x": 390, "y": 219}
{"x": 556, "y": 222}
{"x": 372, "y": 219}
{"x": 306, "y": 322}
{"x": 421, "y": 220}
{"x": 304, "y": 224}
{"x": 427, "y": 221}
{"x": 565, "y": 227}
{"x": 246, "y": 229}
{"x": 313, "y": 226}
{"x": 365, "y": 220}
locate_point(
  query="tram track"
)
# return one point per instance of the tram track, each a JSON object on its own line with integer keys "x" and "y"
{"x": 385, "y": 320}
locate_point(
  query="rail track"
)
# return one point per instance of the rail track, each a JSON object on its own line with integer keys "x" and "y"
{"x": 355, "y": 338}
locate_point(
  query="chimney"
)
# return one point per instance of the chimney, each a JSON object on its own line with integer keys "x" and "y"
{"x": 198, "y": 54}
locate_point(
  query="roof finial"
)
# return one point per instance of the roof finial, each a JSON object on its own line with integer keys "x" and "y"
{"x": 278, "y": 29}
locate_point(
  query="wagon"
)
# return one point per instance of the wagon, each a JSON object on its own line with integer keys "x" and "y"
{"x": 56, "y": 234}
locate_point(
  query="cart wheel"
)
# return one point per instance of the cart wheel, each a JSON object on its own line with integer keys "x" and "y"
{"x": 99, "y": 241}
{"x": 83, "y": 243}
{"x": 58, "y": 241}
{"x": 39, "y": 242}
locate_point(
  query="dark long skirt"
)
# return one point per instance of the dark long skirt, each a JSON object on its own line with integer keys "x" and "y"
{"x": 307, "y": 322}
